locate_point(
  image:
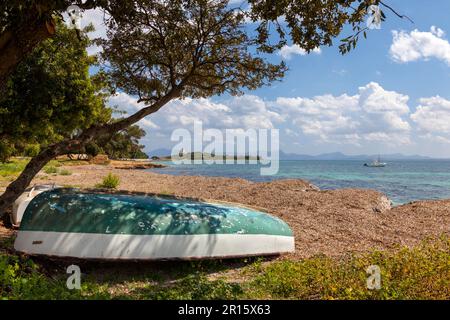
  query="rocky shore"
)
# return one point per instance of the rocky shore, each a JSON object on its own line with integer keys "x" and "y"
{"x": 333, "y": 223}
{"x": 135, "y": 165}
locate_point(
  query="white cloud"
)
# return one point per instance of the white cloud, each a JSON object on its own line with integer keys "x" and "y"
{"x": 432, "y": 116}
{"x": 128, "y": 104}
{"x": 419, "y": 45}
{"x": 242, "y": 112}
{"x": 374, "y": 114}
{"x": 287, "y": 52}
{"x": 96, "y": 18}
{"x": 374, "y": 99}
{"x": 238, "y": 113}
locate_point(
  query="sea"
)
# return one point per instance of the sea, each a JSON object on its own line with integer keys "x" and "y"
{"x": 402, "y": 181}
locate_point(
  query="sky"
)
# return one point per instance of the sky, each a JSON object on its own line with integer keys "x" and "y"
{"x": 391, "y": 94}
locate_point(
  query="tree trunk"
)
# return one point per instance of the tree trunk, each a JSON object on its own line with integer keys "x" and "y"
{"x": 17, "y": 187}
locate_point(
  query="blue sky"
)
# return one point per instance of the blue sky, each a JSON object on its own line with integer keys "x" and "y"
{"x": 391, "y": 94}
{"x": 315, "y": 74}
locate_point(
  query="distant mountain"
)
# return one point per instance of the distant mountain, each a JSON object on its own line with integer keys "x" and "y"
{"x": 165, "y": 154}
{"x": 325, "y": 156}
{"x": 341, "y": 156}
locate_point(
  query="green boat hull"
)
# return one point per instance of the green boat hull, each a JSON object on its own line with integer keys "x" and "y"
{"x": 67, "y": 222}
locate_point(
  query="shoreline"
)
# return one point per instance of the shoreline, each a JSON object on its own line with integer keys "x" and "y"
{"x": 329, "y": 222}
{"x": 402, "y": 183}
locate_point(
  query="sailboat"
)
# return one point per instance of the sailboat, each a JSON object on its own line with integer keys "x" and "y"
{"x": 376, "y": 163}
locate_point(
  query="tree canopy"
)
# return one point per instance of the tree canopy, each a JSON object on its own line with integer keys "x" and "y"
{"x": 51, "y": 94}
{"x": 196, "y": 47}
{"x": 121, "y": 145}
{"x": 309, "y": 24}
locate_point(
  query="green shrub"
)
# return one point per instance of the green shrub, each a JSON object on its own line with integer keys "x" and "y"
{"x": 50, "y": 170}
{"x": 92, "y": 149}
{"x": 195, "y": 287}
{"x": 54, "y": 163}
{"x": 31, "y": 150}
{"x": 21, "y": 278}
{"x": 6, "y": 151}
{"x": 111, "y": 181}
{"x": 65, "y": 172}
{"x": 422, "y": 272}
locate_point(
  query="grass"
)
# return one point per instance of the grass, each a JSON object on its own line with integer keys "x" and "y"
{"x": 54, "y": 163}
{"x": 65, "y": 172}
{"x": 422, "y": 272}
{"x": 54, "y": 167}
{"x": 50, "y": 170}
{"x": 111, "y": 181}
{"x": 12, "y": 168}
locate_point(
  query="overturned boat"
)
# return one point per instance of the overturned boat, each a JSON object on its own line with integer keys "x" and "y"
{"x": 24, "y": 200}
{"x": 91, "y": 225}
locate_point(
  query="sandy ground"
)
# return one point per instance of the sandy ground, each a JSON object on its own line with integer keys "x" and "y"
{"x": 324, "y": 222}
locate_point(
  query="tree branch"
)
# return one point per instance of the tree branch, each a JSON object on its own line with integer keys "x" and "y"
{"x": 402, "y": 16}
{"x": 36, "y": 164}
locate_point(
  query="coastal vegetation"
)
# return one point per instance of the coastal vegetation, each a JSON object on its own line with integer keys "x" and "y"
{"x": 111, "y": 181}
{"x": 50, "y": 170}
{"x": 421, "y": 272}
{"x": 14, "y": 166}
{"x": 65, "y": 172}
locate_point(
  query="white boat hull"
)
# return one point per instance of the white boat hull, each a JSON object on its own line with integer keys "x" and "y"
{"x": 151, "y": 247}
{"x": 22, "y": 202}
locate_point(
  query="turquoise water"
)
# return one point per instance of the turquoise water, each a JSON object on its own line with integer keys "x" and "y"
{"x": 402, "y": 181}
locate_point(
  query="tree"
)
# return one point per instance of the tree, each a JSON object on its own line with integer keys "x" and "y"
{"x": 170, "y": 49}
{"x": 26, "y": 23}
{"x": 51, "y": 94}
{"x": 311, "y": 24}
{"x": 124, "y": 144}
{"x": 118, "y": 145}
